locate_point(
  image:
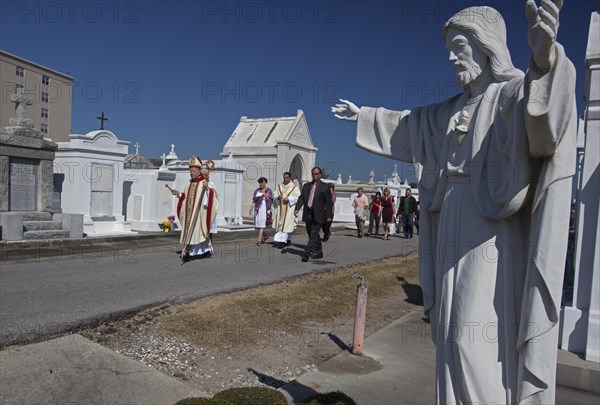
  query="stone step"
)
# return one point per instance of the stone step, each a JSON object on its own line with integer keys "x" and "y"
{"x": 52, "y": 234}
{"x": 37, "y": 216}
{"x": 42, "y": 225}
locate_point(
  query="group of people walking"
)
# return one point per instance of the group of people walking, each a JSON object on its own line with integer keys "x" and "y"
{"x": 280, "y": 208}
{"x": 316, "y": 199}
{"x": 280, "y": 202}
{"x": 382, "y": 209}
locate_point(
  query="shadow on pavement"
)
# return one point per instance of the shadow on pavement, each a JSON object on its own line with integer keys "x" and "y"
{"x": 339, "y": 342}
{"x": 413, "y": 292}
{"x": 298, "y": 392}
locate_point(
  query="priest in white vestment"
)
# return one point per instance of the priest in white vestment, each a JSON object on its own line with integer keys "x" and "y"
{"x": 285, "y": 197}
{"x": 495, "y": 167}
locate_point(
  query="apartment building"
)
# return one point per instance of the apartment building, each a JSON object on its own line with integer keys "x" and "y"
{"x": 50, "y": 91}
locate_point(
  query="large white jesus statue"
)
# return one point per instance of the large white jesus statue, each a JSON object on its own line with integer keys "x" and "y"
{"x": 496, "y": 164}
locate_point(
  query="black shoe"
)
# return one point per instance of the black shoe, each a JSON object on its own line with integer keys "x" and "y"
{"x": 360, "y": 236}
{"x": 280, "y": 245}
{"x": 326, "y": 238}
{"x": 305, "y": 257}
{"x": 185, "y": 258}
{"x": 288, "y": 243}
{"x": 316, "y": 255}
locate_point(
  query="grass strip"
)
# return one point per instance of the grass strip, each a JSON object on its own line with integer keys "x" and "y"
{"x": 244, "y": 316}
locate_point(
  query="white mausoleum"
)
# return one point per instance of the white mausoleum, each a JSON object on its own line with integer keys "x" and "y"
{"x": 90, "y": 174}
{"x": 268, "y": 147}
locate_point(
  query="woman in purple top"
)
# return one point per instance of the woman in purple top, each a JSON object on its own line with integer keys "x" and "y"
{"x": 387, "y": 213}
{"x": 262, "y": 199}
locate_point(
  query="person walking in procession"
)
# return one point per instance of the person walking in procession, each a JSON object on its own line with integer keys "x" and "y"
{"x": 360, "y": 203}
{"x": 262, "y": 199}
{"x": 284, "y": 222}
{"x": 197, "y": 211}
{"x": 408, "y": 208}
{"x": 388, "y": 211}
{"x": 375, "y": 214}
{"x": 315, "y": 200}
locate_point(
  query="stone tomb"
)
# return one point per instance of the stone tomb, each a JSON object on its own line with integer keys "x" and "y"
{"x": 227, "y": 178}
{"x": 26, "y": 163}
{"x": 268, "y": 147}
{"x": 148, "y": 202}
{"x": 26, "y": 182}
{"x": 580, "y": 319}
{"x": 90, "y": 177}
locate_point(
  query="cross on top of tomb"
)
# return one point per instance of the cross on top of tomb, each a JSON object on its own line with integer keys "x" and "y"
{"x": 172, "y": 155}
{"x": 102, "y": 119}
{"x": 22, "y": 100}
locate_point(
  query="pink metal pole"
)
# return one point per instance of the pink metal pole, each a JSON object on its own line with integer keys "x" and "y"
{"x": 359, "y": 316}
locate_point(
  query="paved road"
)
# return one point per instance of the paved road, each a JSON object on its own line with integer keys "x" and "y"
{"x": 53, "y": 295}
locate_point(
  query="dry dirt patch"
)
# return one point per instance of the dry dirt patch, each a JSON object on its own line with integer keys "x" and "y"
{"x": 267, "y": 335}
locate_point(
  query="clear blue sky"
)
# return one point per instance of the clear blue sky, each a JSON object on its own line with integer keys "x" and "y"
{"x": 184, "y": 72}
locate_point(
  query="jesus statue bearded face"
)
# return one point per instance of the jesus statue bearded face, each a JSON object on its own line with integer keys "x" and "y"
{"x": 468, "y": 60}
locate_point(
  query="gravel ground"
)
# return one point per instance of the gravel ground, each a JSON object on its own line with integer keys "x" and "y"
{"x": 225, "y": 359}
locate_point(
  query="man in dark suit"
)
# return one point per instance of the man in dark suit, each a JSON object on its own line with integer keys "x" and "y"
{"x": 408, "y": 209}
{"x": 315, "y": 198}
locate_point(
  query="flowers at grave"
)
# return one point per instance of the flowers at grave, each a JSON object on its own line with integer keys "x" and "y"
{"x": 169, "y": 223}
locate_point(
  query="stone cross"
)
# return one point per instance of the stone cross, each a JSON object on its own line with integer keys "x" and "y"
{"x": 102, "y": 119}
{"x": 395, "y": 176}
{"x": 371, "y": 177}
{"x": 137, "y": 148}
{"x": 164, "y": 158}
{"x": 172, "y": 155}
{"x": 22, "y": 101}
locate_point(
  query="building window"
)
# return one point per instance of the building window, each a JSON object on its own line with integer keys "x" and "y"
{"x": 19, "y": 89}
{"x": 45, "y": 79}
{"x": 44, "y": 97}
{"x": 44, "y": 113}
{"x": 20, "y": 71}
{"x": 44, "y": 128}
